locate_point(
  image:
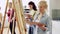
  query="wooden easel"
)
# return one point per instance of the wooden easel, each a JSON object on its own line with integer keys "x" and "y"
{"x": 18, "y": 8}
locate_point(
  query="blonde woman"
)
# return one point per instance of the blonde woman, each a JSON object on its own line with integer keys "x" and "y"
{"x": 42, "y": 20}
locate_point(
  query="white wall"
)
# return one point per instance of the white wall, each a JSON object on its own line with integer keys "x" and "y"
{"x": 2, "y": 5}
{"x": 25, "y": 3}
{"x": 55, "y": 4}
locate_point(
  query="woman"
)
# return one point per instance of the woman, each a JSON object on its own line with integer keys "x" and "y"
{"x": 33, "y": 9}
{"x": 31, "y": 14}
{"x": 42, "y": 21}
{"x": 11, "y": 17}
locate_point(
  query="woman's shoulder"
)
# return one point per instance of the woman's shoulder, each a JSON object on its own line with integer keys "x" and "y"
{"x": 49, "y": 17}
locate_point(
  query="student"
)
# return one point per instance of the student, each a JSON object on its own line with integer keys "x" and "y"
{"x": 32, "y": 8}
{"x": 11, "y": 18}
{"x": 0, "y": 20}
{"x": 31, "y": 14}
{"x": 42, "y": 20}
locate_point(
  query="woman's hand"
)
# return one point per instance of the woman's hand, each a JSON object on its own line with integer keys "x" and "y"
{"x": 28, "y": 21}
{"x": 28, "y": 15}
{"x": 41, "y": 26}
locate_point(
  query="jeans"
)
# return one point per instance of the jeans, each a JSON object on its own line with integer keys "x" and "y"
{"x": 30, "y": 30}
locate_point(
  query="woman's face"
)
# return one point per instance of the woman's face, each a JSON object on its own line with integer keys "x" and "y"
{"x": 30, "y": 6}
{"x": 10, "y": 5}
{"x": 41, "y": 8}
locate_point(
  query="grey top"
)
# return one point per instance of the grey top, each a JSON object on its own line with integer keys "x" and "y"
{"x": 45, "y": 19}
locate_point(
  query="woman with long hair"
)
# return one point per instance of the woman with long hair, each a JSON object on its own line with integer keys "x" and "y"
{"x": 31, "y": 15}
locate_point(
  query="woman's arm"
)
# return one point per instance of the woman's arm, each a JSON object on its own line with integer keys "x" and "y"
{"x": 28, "y": 15}
{"x": 40, "y": 25}
{"x": 35, "y": 23}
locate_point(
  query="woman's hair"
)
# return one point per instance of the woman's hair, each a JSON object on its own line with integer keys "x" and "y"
{"x": 32, "y": 3}
{"x": 10, "y": 3}
{"x": 43, "y": 3}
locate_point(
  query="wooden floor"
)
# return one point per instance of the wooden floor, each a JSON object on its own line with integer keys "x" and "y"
{"x": 16, "y": 30}
{"x": 6, "y": 30}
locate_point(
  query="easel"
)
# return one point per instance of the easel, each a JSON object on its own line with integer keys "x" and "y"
{"x": 19, "y": 16}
